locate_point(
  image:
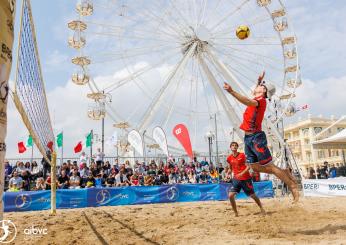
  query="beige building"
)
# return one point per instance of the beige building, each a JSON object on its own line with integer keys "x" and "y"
{"x": 300, "y": 135}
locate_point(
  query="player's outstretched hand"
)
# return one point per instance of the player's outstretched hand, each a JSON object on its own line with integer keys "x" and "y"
{"x": 260, "y": 78}
{"x": 227, "y": 87}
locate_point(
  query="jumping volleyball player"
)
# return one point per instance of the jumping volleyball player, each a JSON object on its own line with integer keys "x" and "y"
{"x": 257, "y": 153}
{"x": 241, "y": 178}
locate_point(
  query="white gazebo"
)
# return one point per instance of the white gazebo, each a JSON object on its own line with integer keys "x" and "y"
{"x": 337, "y": 141}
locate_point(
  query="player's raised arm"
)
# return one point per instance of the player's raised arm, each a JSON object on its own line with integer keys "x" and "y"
{"x": 241, "y": 98}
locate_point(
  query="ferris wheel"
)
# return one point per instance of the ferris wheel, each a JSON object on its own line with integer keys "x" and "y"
{"x": 164, "y": 62}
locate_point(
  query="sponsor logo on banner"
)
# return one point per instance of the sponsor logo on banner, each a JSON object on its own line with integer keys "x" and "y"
{"x": 135, "y": 139}
{"x": 8, "y": 231}
{"x": 23, "y": 201}
{"x": 182, "y": 134}
{"x": 102, "y": 196}
{"x": 160, "y": 137}
{"x": 325, "y": 187}
{"x": 34, "y": 232}
{"x": 172, "y": 193}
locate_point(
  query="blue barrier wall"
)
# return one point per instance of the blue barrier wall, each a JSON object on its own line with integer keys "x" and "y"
{"x": 94, "y": 197}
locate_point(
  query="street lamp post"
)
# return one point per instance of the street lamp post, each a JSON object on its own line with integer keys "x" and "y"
{"x": 209, "y": 135}
{"x": 144, "y": 153}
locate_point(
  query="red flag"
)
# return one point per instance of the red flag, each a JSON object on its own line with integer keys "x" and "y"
{"x": 78, "y": 147}
{"x": 21, "y": 147}
{"x": 182, "y": 134}
{"x": 50, "y": 145}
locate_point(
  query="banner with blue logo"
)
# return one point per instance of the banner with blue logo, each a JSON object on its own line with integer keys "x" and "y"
{"x": 94, "y": 197}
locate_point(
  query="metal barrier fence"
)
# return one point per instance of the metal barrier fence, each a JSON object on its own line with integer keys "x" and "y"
{"x": 222, "y": 159}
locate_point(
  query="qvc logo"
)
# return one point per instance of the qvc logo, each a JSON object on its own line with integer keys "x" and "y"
{"x": 33, "y": 231}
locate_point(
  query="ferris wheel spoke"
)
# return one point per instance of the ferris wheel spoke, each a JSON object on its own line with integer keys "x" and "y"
{"x": 162, "y": 22}
{"x": 152, "y": 108}
{"x": 231, "y": 114}
{"x": 114, "y": 57}
{"x": 228, "y": 15}
{"x": 171, "y": 2}
{"x": 254, "y": 55}
{"x": 250, "y": 24}
{"x": 137, "y": 73}
{"x": 241, "y": 60}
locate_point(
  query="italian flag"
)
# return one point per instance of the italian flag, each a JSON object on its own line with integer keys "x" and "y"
{"x": 22, "y": 147}
{"x": 82, "y": 145}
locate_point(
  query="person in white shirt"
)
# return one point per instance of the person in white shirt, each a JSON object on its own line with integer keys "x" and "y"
{"x": 99, "y": 158}
{"x": 83, "y": 158}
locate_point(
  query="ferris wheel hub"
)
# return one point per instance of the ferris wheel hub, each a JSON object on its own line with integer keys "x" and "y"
{"x": 203, "y": 33}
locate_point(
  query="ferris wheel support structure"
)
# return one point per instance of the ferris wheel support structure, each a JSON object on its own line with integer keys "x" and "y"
{"x": 156, "y": 102}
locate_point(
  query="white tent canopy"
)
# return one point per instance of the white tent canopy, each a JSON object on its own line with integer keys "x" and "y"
{"x": 337, "y": 141}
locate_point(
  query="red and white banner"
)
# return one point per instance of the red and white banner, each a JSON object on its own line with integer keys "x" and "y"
{"x": 182, "y": 134}
{"x": 135, "y": 139}
{"x": 160, "y": 137}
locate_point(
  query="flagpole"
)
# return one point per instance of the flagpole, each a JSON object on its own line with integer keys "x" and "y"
{"x": 91, "y": 145}
{"x": 62, "y": 149}
{"x": 32, "y": 153}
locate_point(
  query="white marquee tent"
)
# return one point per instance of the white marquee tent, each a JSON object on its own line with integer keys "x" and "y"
{"x": 337, "y": 141}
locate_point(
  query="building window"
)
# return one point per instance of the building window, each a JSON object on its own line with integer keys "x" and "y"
{"x": 317, "y": 130}
{"x": 321, "y": 154}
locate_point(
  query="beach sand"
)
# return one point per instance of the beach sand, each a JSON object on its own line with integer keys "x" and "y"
{"x": 312, "y": 221}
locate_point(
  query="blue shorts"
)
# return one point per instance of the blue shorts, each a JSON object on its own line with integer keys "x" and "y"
{"x": 256, "y": 148}
{"x": 246, "y": 185}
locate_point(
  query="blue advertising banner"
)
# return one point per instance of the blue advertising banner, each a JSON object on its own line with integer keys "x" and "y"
{"x": 94, "y": 197}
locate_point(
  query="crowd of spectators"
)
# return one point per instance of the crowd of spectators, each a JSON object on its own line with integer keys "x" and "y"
{"x": 74, "y": 175}
{"x": 327, "y": 170}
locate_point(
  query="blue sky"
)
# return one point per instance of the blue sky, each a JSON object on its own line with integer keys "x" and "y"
{"x": 319, "y": 26}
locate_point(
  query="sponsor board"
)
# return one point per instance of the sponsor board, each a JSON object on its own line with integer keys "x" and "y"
{"x": 324, "y": 187}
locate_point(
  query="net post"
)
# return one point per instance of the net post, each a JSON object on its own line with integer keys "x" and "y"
{"x": 53, "y": 185}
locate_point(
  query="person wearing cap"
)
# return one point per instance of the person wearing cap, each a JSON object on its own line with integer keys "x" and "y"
{"x": 257, "y": 153}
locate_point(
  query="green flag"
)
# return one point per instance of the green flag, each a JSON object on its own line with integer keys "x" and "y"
{"x": 88, "y": 140}
{"x": 29, "y": 143}
{"x": 59, "y": 139}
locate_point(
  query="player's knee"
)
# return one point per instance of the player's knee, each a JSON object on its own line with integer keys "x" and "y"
{"x": 232, "y": 194}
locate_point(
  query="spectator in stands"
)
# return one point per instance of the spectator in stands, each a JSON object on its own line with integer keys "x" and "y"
{"x": 173, "y": 177}
{"x": 8, "y": 169}
{"x": 84, "y": 172}
{"x": 312, "y": 173}
{"x": 205, "y": 164}
{"x": 25, "y": 175}
{"x": 110, "y": 180}
{"x": 46, "y": 164}
{"x": 106, "y": 168}
{"x": 332, "y": 171}
{"x": 15, "y": 183}
{"x": 325, "y": 172}
{"x": 220, "y": 169}
{"x": 341, "y": 170}
{"x": 226, "y": 175}
{"x": 148, "y": 180}
{"x": 184, "y": 179}
{"x": 83, "y": 158}
{"x": 99, "y": 158}
{"x": 192, "y": 176}
{"x": 121, "y": 179}
{"x": 134, "y": 180}
{"x": 319, "y": 171}
{"x": 35, "y": 171}
{"x": 63, "y": 180}
{"x": 99, "y": 180}
{"x": 90, "y": 181}
{"x": 198, "y": 169}
{"x": 75, "y": 180}
{"x": 27, "y": 166}
{"x": 20, "y": 167}
{"x": 214, "y": 176}
{"x": 40, "y": 185}
{"x": 48, "y": 182}
{"x": 204, "y": 177}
